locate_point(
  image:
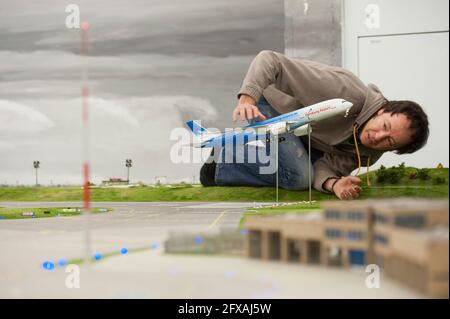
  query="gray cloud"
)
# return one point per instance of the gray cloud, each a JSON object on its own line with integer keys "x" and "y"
{"x": 22, "y": 118}
{"x": 215, "y": 27}
{"x": 152, "y": 66}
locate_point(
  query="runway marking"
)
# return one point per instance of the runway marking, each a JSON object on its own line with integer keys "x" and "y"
{"x": 216, "y": 220}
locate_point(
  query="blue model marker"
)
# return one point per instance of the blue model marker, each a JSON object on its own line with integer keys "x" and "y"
{"x": 62, "y": 262}
{"x": 198, "y": 240}
{"x": 123, "y": 251}
{"x": 98, "y": 256}
{"x": 48, "y": 265}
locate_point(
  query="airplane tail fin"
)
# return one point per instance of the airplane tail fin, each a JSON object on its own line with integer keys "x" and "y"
{"x": 196, "y": 128}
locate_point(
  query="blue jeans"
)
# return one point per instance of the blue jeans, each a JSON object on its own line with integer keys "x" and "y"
{"x": 292, "y": 158}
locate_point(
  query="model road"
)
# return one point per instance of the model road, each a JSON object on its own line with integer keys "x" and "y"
{"x": 130, "y": 225}
{"x": 26, "y": 243}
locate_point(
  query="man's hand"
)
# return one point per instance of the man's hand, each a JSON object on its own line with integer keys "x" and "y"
{"x": 247, "y": 109}
{"x": 347, "y": 187}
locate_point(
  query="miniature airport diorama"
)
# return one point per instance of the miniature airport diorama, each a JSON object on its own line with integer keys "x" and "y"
{"x": 406, "y": 238}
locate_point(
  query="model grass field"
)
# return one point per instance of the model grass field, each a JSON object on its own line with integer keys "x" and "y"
{"x": 392, "y": 182}
{"x": 20, "y": 213}
{"x": 435, "y": 185}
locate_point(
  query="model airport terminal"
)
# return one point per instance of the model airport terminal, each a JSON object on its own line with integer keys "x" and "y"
{"x": 406, "y": 238}
{"x": 74, "y": 225}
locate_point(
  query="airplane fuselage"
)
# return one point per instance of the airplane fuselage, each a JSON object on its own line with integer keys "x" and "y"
{"x": 292, "y": 122}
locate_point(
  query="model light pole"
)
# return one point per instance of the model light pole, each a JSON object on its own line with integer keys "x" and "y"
{"x": 128, "y": 164}
{"x": 36, "y": 166}
{"x": 84, "y": 26}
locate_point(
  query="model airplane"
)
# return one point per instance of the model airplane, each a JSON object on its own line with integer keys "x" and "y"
{"x": 295, "y": 122}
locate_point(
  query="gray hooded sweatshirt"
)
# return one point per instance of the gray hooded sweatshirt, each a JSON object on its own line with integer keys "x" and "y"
{"x": 289, "y": 84}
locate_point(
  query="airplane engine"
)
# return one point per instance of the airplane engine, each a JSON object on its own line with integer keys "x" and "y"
{"x": 302, "y": 130}
{"x": 277, "y": 128}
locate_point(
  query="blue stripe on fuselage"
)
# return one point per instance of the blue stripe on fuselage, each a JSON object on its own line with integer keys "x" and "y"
{"x": 234, "y": 138}
{"x": 291, "y": 116}
{"x": 245, "y": 137}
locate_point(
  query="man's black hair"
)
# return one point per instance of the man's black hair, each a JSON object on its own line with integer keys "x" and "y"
{"x": 418, "y": 123}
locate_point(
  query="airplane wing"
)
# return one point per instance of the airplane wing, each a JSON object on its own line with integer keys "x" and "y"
{"x": 257, "y": 125}
{"x": 257, "y": 143}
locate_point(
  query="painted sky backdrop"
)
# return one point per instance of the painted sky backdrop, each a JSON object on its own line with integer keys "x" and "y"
{"x": 153, "y": 64}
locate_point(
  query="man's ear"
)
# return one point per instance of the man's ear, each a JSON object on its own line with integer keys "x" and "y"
{"x": 380, "y": 111}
